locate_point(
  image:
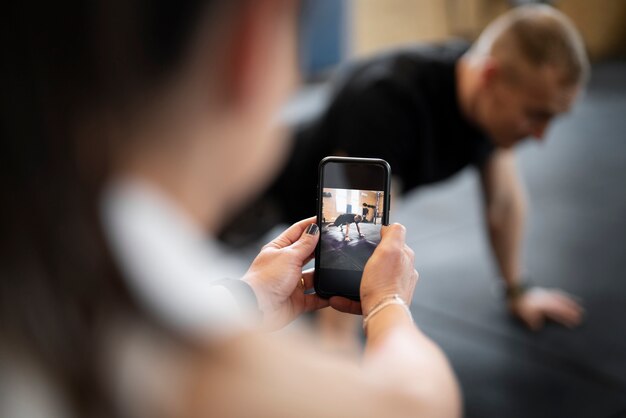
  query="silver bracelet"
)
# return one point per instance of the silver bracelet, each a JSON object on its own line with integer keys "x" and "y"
{"x": 384, "y": 302}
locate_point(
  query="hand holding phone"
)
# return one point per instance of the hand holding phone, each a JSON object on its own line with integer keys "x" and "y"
{"x": 390, "y": 271}
{"x": 353, "y": 204}
{"x": 277, "y": 278}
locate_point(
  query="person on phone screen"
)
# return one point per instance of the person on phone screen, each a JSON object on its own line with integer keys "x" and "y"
{"x": 345, "y": 219}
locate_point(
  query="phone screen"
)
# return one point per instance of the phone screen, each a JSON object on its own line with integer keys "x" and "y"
{"x": 351, "y": 221}
{"x": 353, "y": 206}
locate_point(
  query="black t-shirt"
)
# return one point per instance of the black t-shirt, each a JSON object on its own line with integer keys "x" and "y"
{"x": 402, "y": 106}
{"x": 345, "y": 219}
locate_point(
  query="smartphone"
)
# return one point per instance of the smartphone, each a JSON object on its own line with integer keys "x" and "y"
{"x": 352, "y": 205}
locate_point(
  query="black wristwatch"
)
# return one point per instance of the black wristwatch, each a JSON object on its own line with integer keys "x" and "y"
{"x": 514, "y": 291}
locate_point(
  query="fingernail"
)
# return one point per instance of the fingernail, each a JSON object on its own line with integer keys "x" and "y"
{"x": 312, "y": 229}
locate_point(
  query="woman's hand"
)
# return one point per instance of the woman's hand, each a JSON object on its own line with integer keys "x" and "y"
{"x": 276, "y": 275}
{"x": 390, "y": 270}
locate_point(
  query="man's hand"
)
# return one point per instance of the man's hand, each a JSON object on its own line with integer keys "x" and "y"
{"x": 276, "y": 275}
{"x": 505, "y": 212}
{"x": 536, "y": 305}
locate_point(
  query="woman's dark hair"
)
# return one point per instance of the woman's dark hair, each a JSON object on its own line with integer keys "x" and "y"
{"x": 61, "y": 62}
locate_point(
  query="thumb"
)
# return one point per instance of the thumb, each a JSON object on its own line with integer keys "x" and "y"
{"x": 393, "y": 234}
{"x": 305, "y": 245}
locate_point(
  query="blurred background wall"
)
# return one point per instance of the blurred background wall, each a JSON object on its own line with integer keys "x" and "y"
{"x": 336, "y": 30}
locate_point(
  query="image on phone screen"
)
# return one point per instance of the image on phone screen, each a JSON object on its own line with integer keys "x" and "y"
{"x": 353, "y": 204}
{"x": 351, "y": 223}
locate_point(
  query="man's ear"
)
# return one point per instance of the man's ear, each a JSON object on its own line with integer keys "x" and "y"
{"x": 241, "y": 53}
{"x": 250, "y": 39}
{"x": 490, "y": 70}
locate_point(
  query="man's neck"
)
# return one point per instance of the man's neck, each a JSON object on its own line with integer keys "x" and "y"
{"x": 466, "y": 88}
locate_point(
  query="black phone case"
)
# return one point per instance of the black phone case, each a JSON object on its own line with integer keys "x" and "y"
{"x": 385, "y": 217}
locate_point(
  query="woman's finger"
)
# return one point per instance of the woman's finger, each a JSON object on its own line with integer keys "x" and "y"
{"x": 304, "y": 246}
{"x": 308, "y": 276}
{"x": 345, "y": 305}
{"x": 313, "y": 302}
{"x": 291, "y": 234}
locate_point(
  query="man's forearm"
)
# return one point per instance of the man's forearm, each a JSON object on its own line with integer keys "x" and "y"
{"x": 506, "y": 230}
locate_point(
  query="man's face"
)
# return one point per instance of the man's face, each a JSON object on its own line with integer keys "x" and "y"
{"x": 512, "y": 110}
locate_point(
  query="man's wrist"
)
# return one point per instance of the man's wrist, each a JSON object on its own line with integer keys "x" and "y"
{"x": 514, "y": 290}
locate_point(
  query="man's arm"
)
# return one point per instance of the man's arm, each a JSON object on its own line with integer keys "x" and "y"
{"x": 505, "y": 213}
{"x": 358, "y": 229}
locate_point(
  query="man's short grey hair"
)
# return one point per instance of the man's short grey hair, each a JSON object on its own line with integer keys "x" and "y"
{"x": 541, "y": 36}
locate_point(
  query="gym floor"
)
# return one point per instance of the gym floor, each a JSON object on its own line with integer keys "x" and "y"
{"x": 352, "y": 255}
{"x": 576, "y": 183}
{"x": 575, "y": 241}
